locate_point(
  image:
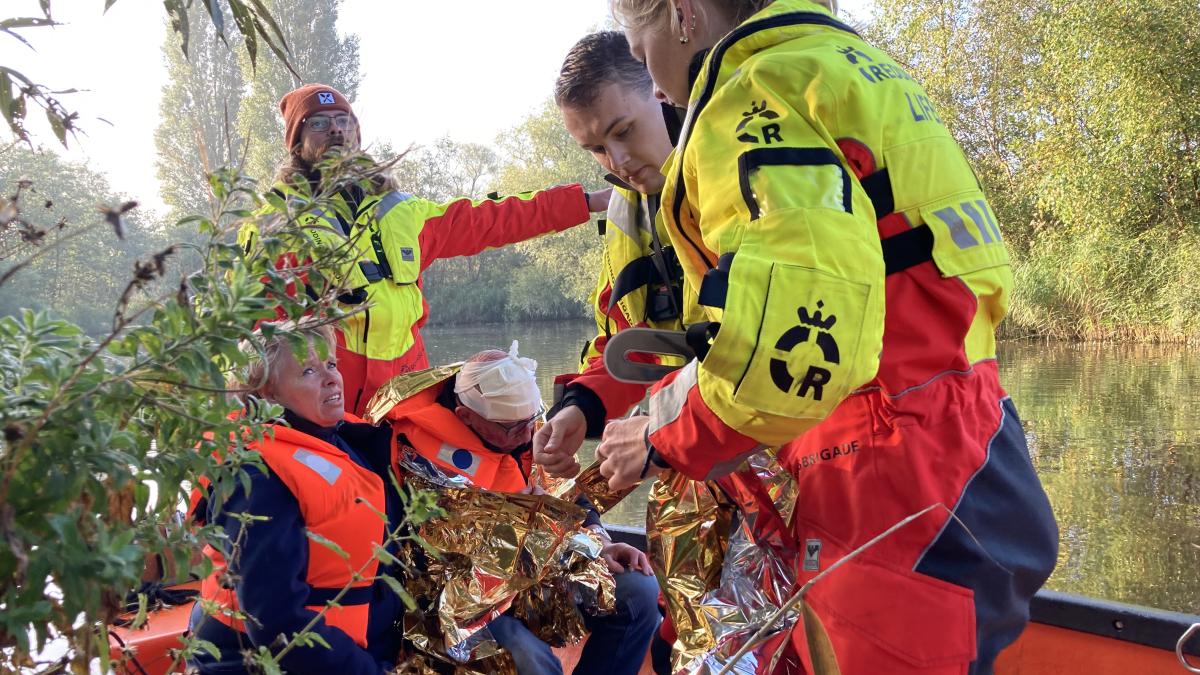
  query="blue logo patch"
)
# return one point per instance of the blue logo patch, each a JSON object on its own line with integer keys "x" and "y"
{"x": 325, "y": 97}
{"x": 406, "y": 254}
{"x": 462, "y": 459}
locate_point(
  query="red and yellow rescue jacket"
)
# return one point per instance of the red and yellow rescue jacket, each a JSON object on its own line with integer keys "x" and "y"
{"x": 854, "y": 275}
{"x": 396, "y": 237}
{"x": 436, "y": 433}
{"x": 810, "y": 168}
{"x": 340, "y": 501}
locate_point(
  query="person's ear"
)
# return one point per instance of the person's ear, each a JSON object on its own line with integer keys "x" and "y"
{"x": 686, "y": 13}
{"x": 463, "y": 413}
{"x": 267, "y": 391}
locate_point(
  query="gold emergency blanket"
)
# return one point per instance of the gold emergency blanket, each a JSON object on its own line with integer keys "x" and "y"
{"x": 527, "y": 553}
{"x": 723, "y": 555}
{"x": 404, "y": 387}
{"x": 589, "y": 483}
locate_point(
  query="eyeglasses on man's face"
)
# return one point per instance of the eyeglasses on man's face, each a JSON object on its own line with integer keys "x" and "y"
{"x": 510, "y": 427}
{"x": 325, "y": 122}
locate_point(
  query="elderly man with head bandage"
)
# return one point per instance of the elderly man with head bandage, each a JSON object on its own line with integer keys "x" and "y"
{"x": 479, "y": 424}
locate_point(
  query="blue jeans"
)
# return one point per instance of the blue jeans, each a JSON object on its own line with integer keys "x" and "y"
{"x": 617, "y": 643}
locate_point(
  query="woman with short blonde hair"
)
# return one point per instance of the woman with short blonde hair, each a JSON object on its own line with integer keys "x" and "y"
{"x": 853, "y": 274}
{"x": 258, "y": 377}
{"x": 324, "y": 483}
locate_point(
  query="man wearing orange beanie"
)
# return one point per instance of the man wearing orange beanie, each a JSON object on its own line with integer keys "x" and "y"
{"x": 298, "y": 105}
{"x": 397, "y": 236}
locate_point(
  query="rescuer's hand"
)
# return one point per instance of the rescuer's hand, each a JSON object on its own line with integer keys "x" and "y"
{"x": 625, "y": 454}
{"x": 623, "y": 558}
{"x": 555, "y": 444}
{"x": 597, "y": 202}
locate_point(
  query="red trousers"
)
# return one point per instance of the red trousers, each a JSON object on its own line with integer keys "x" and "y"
{"x": 939, "y": 595}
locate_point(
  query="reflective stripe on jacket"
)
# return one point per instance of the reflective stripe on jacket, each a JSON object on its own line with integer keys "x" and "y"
{"x": 339, "y": 501}
{"x": 791, "y": 116}
{"x": 438, "y": 435}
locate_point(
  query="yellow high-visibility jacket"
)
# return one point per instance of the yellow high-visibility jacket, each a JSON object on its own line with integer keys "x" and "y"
{"x": 395, "y": 237}
{"x": 635, "y": 288}
{"x": 803, "y": 148}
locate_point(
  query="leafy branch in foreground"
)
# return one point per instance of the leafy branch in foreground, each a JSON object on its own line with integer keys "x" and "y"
{"x": 101, "y": 434}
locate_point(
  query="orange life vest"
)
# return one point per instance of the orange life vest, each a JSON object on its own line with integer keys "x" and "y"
{"x": 436, "y": 433}
{"x": 340, "y": 501}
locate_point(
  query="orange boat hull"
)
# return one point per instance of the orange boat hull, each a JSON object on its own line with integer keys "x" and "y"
{"x": 1041, "y": 650}
{"x": 1049, "y": 650}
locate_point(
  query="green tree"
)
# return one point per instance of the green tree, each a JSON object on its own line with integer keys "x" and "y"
{"x": 318, "y": 54}
{"x": 446, "y": 170}
{"x": 1081, "y": 120}
{"x": 90, "y": 423}
{"x": 469, "y": 289}
{"x": 83, "y": 265}
{"x": 563, "y": 267}
{"x": 544, "y": 278}
{"x": 198, "y": 112}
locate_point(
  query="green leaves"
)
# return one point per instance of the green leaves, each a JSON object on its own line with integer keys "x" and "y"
{"x": 7, "y": 25}
{"x": 420, "y": 506}
{"x": 399, "y": 590}
{"x": 218, "y": 18}
{"x": 88, "y": 420}
{"x": 254, "y": 21}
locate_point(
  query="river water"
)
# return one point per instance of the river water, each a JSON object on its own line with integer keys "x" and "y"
{"x": 1114, "y": 431}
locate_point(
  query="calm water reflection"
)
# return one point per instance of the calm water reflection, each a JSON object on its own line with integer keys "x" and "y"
{"x": 1113, "y": 431}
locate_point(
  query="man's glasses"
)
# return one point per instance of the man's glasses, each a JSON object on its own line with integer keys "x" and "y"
{"x": 510, "y": 427}
{"x": 324, "y": 122}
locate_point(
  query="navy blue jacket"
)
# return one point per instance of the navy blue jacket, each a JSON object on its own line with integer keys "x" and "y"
{"x": 271, "y": 570}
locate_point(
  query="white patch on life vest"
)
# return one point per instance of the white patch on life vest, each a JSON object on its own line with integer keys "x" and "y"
{"x": 324, "y": 468}
{"x": 464, "y": 461}
{"x": 812, "y": 555}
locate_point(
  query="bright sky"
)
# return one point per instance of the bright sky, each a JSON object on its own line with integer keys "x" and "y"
{"x": 468, "y": 69}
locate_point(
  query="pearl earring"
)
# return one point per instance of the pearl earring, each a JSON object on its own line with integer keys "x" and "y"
{"x": 684, "y": 40}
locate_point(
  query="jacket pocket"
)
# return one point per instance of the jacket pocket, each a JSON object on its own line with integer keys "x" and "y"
{"x": 879, "y": 617}
{"x": 790, "y": 337}
{"x": 398, "y": 224}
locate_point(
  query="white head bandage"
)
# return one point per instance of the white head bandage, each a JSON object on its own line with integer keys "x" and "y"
{"x": 503, "y": 390}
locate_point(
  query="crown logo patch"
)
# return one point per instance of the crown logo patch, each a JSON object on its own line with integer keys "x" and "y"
{"x": 770, "y": 131}
{"x": 814, "y": 326}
